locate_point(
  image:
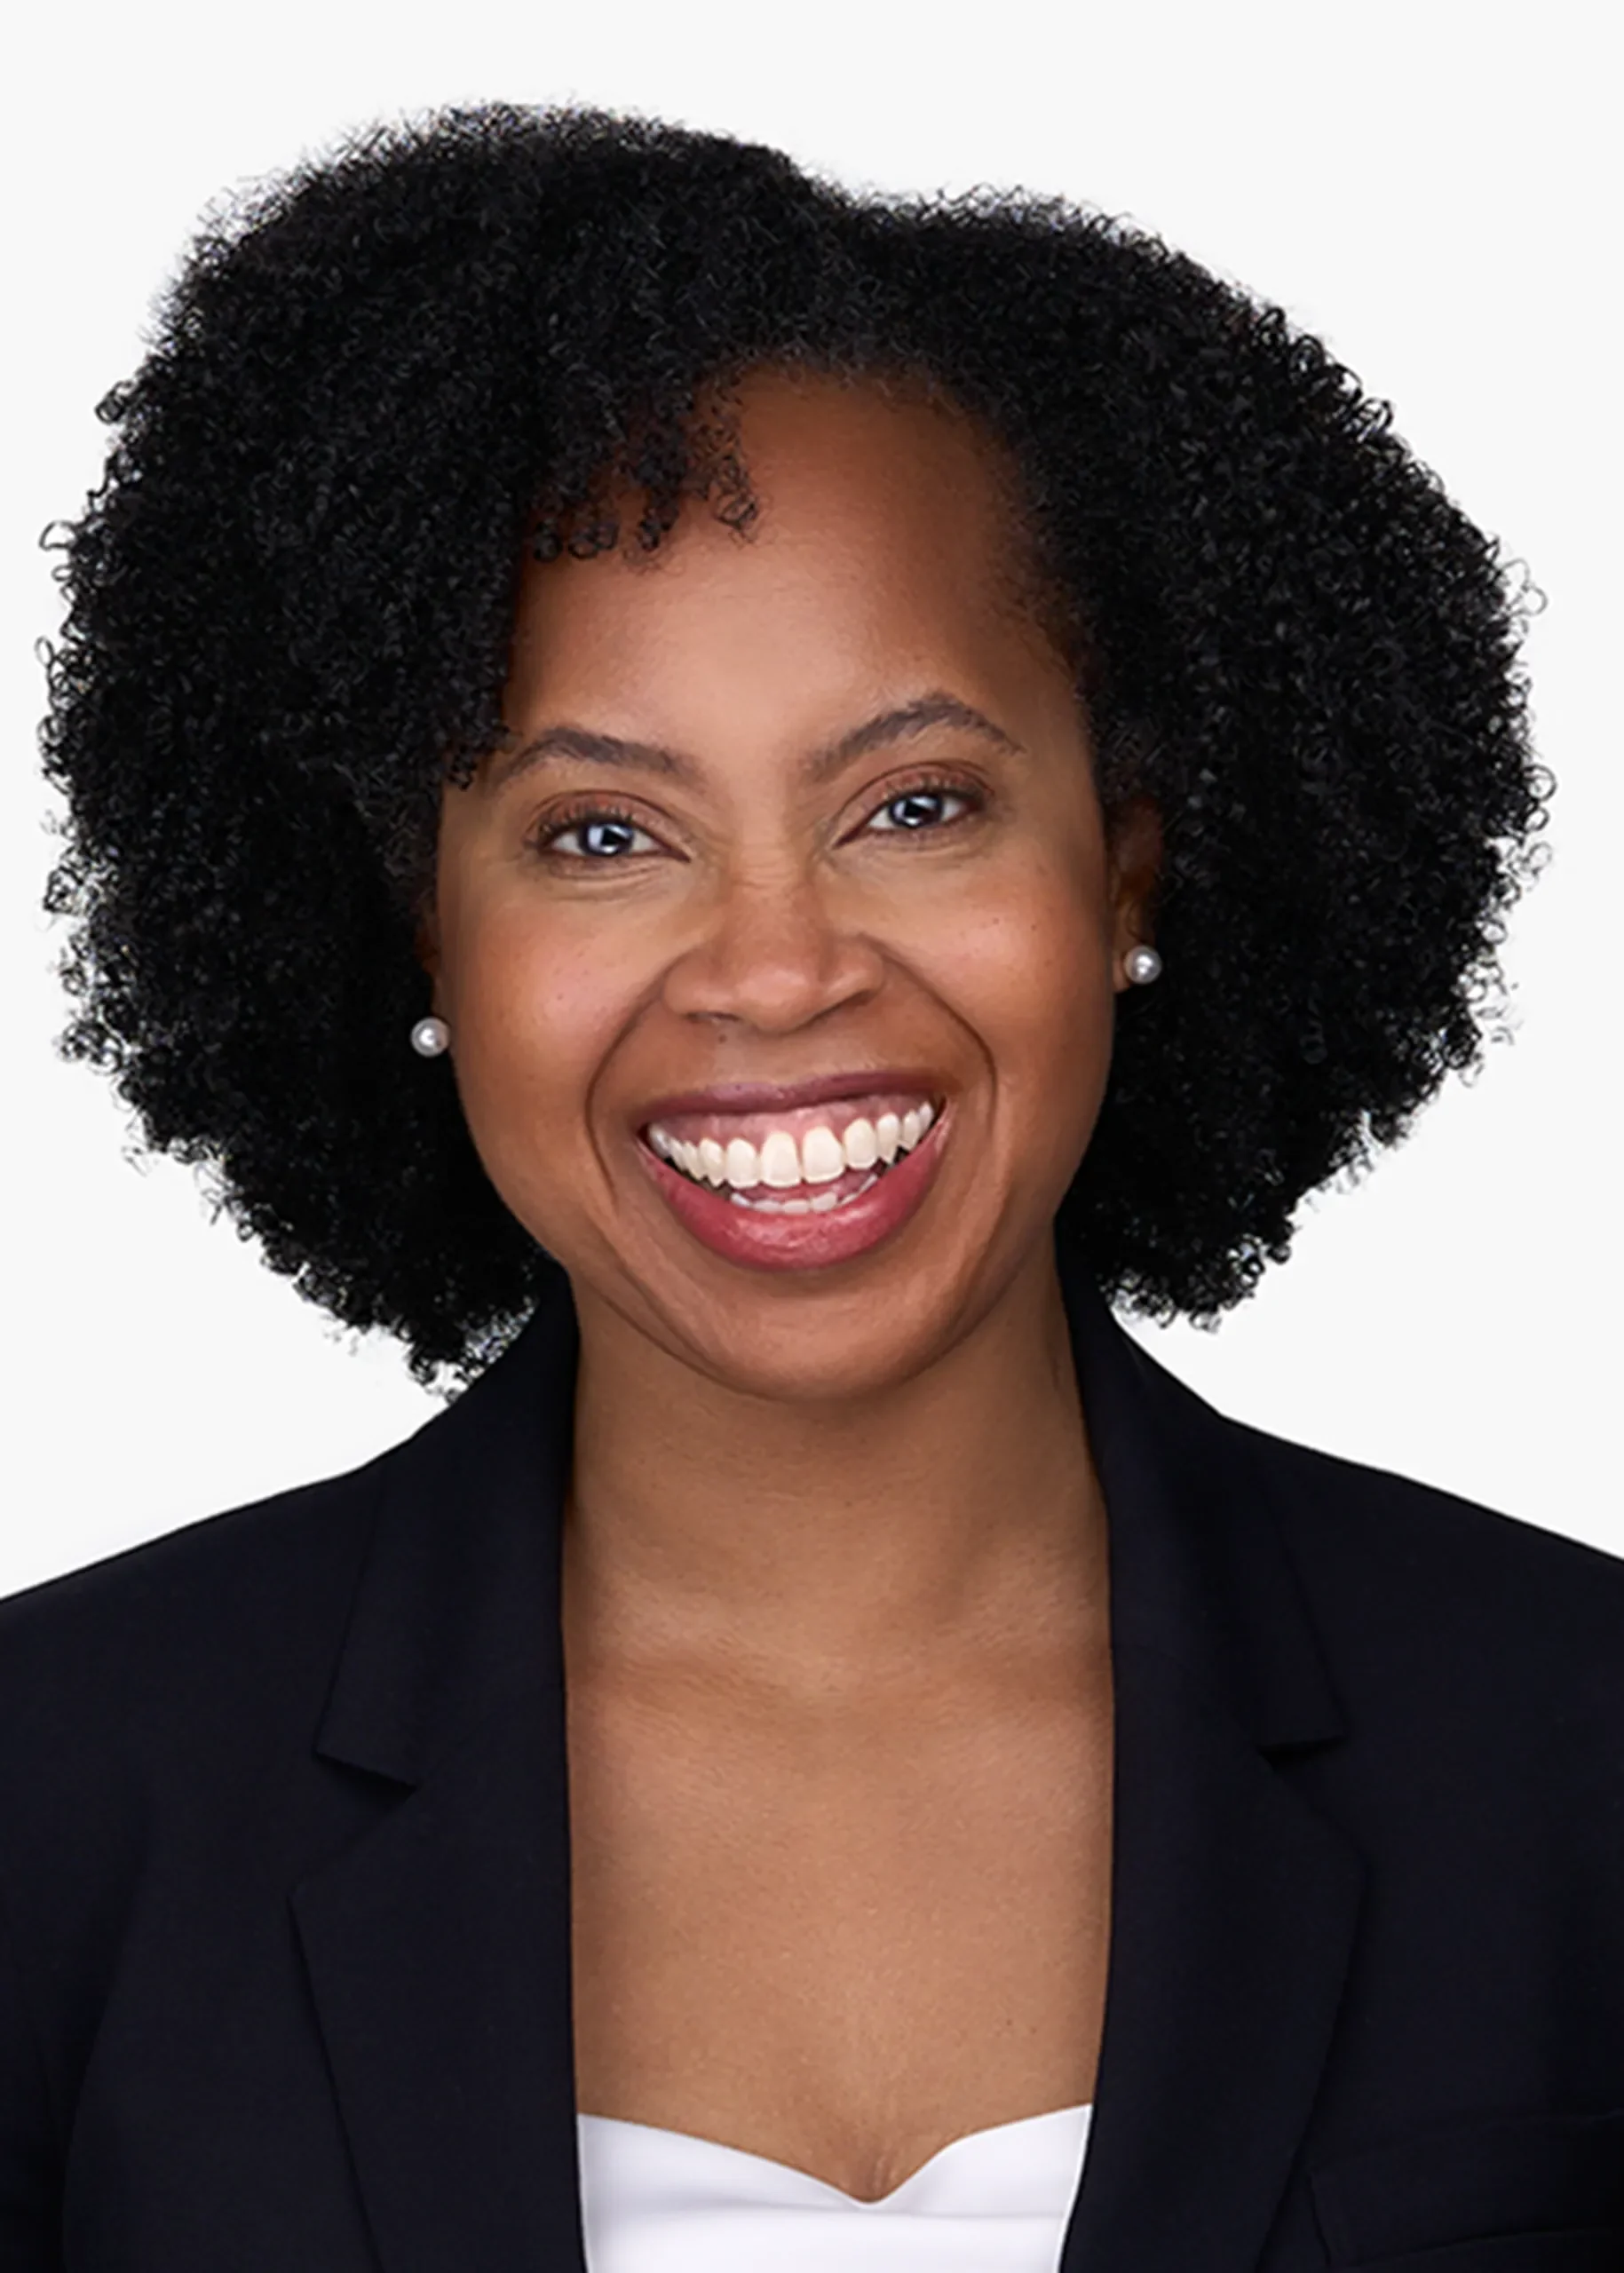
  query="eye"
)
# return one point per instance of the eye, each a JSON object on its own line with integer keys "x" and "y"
{"x": 601, "y": 834}
{"x": 919, "y": 809}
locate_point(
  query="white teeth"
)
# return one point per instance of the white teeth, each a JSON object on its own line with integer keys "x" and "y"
{"x": 822, "y": 1156}
{"x": 820, "y": 1206}
{"x": 859, "y": 1146}
{"x": 780, "y": 1163}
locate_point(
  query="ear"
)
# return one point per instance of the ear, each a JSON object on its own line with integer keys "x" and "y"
{"x": 1134, "y": 850}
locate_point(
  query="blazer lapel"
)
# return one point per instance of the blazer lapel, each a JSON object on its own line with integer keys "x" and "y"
{"x": 438, "y": 1946}
{"x": 1234, "y": 1903}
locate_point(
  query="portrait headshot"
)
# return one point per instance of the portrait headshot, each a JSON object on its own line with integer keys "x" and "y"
{"x": 815, "y": 1147}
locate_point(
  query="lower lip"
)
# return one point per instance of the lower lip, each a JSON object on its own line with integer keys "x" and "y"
{"x": 773, "y": 1242}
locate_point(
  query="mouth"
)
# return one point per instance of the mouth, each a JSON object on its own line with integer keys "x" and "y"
{"x": 797, "y": 1187}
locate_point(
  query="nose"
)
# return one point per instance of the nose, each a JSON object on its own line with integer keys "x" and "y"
{"x": 773, "y": 956}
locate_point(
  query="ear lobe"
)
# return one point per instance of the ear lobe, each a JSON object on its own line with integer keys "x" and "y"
{"x": 1135, "y": 852}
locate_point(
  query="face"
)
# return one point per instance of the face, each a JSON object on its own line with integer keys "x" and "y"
{"x": 779, "y": 945}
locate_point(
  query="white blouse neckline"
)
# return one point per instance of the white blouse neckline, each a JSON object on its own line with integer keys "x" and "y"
{"x": 998, "y": 2146}
{"x": 992, "y": 2201}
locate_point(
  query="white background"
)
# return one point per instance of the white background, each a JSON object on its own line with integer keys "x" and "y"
{"x": 1427, "y": 184}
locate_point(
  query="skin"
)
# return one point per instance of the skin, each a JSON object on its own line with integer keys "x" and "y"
{"x": 835, "y": 1617}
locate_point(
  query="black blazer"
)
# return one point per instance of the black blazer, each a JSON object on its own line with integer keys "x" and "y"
{"x": 283, "y": 1869}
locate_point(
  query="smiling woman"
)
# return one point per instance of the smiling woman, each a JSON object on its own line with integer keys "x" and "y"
{"x": 731, "y": 808}
{"x": 841, "y": 756}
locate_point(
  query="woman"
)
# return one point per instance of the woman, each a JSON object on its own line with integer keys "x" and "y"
{"x": 902, "y": 772}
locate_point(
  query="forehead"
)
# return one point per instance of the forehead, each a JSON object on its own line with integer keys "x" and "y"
{"x": 841, "y": 452}
{"x": 883, "y": 540}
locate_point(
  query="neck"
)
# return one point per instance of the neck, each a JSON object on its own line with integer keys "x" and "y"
{"x": 833, "y": 1543}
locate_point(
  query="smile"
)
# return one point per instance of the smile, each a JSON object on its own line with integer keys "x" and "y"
{"x": 823, "y": 1165}
{"x": 798, "y": 1189}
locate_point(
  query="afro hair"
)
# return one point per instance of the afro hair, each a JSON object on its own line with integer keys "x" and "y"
{"x": 289, "y": 609}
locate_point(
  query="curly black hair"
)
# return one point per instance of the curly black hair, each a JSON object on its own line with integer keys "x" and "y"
{"x": 291, "y": 603}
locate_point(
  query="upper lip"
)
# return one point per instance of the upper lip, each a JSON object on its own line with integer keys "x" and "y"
{"x": 769, "y": 1097}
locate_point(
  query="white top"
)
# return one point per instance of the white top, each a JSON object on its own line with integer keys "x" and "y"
{"x": 996, "y": 2201}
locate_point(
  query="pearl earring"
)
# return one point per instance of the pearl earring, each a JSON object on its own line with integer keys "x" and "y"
{"x": 431, "y": 1036}
{"x": 1142, "y": 964}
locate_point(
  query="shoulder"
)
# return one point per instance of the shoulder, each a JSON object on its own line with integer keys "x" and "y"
{"x": 1444, "y": 1606}
{"x": 1363, "y": 1516}
{"x": 223, "y": 1623}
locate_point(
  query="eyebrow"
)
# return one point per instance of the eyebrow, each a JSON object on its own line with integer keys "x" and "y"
{"x": 897, "y": 724}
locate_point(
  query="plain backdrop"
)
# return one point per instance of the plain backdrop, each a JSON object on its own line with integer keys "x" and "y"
{"x": 1427, "y": 184}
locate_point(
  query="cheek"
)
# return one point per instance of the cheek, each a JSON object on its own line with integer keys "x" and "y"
{"x": 1030, "y": 972}
{"x": 1031, "y": 977}
{"x": 534, "y": 1013}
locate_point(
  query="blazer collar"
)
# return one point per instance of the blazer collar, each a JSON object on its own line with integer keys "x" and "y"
{"x": 457, "y": 1607}
{"x": 1234, "y": 1905}
{"x": 1199, "y": 1569}
{"x": 438, "y": 1947}
{"x": 458, "y": 1603}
